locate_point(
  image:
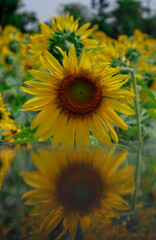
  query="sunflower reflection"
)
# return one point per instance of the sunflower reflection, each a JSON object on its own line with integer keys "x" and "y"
{"x": 138, "y": 225}
{"x": 77, "y": 188}
{"x": 6, "y": 158}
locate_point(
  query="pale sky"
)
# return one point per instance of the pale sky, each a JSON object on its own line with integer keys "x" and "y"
{"x": 46, "y": 8}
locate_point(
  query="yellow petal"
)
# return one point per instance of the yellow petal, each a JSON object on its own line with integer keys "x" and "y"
{"x": 109, "y": 125}
{"x": 69, "y": 134}
{"x": 48, "y": 67}
{"x": 113, "y": 117}
{"x": 43, "y": 76}
{"x": 120, "y": 107}
{"x": 73, "y": 227}
{"x": 35, "y": 179}
{"x": 51, "y": 221}
{"x": 38, "y": 101}
{"x": 46, "y": 30}
{"x": 45, "y": 127}
{"x": 73, "y": 58}
{"x": 82, "y": 134}
{"x": 101, "y": 130}
{"x": 54, "y": 63}
{"x": 59, "y": 130}
{"x": 82, "y": 29}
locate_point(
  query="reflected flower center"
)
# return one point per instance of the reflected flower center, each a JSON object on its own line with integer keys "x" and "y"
{"x": 80, "y": 188}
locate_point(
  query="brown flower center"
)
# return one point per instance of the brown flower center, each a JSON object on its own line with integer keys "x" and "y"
{"x": 79, "y": 95}
{"x": 29, "y": 66}
{"x": 79, "y": 188}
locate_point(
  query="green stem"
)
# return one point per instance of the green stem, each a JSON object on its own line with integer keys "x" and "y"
{"x": 139, "y": 141}
{"x": 136, "y": 177}
{"x": 137, "y": 107}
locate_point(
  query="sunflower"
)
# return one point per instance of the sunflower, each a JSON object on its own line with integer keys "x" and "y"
{"x": 26, "y": 61}
{"x": 10, "y": 46}
{"x": 5, "y": 119}
{"x": 64, "y": 31}
{"x": 6, "y": 159}
{"x": 138, "y": 45}
{"x": 77, "y": 187}
{"x": 6, "y": 123}
{"x": 110, "y": 51}
{"x": 75, "y": 96}
{"x": 103, "y": 38}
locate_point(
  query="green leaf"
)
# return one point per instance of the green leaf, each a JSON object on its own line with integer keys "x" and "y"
{"x": 3, "y": 87}
{"x": 22, "y": 141}
{"x": 141, "y": 58}
{"x": 3, "y": 194}
{"x": 25, "y": 133}
{"x": 151, "y": 113}
{"x": 150, "y": 104}
{"x": 149, "y": 93}
{"x": 152, "y": 132}
{"x": 94, "y": 49}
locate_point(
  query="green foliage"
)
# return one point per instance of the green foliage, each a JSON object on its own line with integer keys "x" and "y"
{"x": 9, "y": 15}
{"x": 64, "y": 40}
{"x": 149, "y": 25}
{"x": 9, "y": 58}
{"x": 14, "y": 46}
{"x": 128, "y": 16}
{"x": 132, "y": 55}
{"x": 103, "y": 25}
{"x": 124, "y": 19}
{"x": 102, "y": 16}
{"x": 27, "y": 135}
{"x": 149, "y": 93}
{"x": 100, "y": 5}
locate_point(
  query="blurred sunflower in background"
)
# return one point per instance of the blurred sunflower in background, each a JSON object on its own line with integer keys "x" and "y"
{"x": 74, "y": 97}
{"x": 63, "y": 32}
{"x": 10, "y": 46}
{"x": 77, "y": 188}
{"x": 7, "y": 124}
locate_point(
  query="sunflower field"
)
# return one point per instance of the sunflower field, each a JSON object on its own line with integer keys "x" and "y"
{"x": 77, "y": 133}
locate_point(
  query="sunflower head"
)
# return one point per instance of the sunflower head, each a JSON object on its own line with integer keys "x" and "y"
{"x": 63, "y": 33}
{"x": 77, "y": 94}
{"x": 14, "y": 46}
{"x": 77, "y": 187}
{"x": 132, "y": 55}
{"x": 64, "y": 40}
{"x": 118, "y": 62}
